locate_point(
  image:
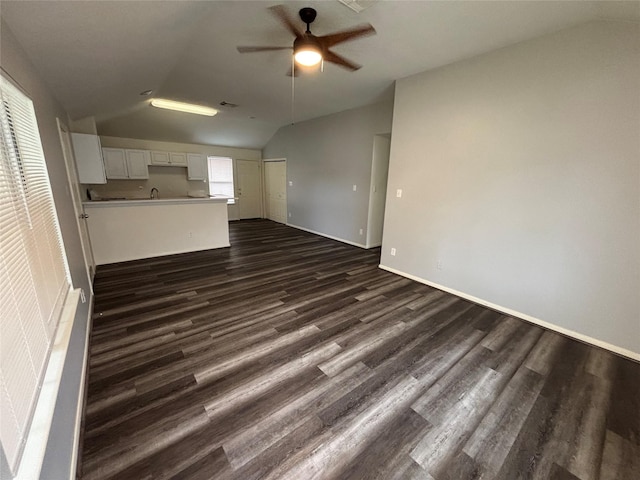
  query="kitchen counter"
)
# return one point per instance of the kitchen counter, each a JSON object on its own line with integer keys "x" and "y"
{"x": 123, "y": 230}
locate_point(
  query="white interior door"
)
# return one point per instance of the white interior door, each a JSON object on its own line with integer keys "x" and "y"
{"x": 275, "y": 185}
{"x": 74, "y": 187}
{"x": 249, "y": 189}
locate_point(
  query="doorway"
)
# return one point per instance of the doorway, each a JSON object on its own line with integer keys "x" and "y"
{"x": 378, "y": 192}
{"x": 275, "y": 186}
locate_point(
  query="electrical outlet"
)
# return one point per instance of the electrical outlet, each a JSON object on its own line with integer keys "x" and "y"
{"x": 399, "y": 193}
{"x": 190, "y": 234}
{"x": 291, "y": 183}
{"x": 355, "y": 187}
{"x": 361, "y": 231}
{"x": 439, "y": 265}
{"x": 393, "y": 252}
{"x": 289, "y": 214}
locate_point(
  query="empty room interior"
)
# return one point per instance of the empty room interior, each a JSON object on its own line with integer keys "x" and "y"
{"x": 325, "y": 239}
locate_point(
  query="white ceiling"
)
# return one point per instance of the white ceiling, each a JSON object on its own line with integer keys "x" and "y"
{"x": 97, "y": 56}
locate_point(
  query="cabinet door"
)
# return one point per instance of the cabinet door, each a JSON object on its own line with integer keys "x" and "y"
{"x": 88, "y": 156}
{"x": 115, "y": 163}
{"x": 196, "y": 166}
{"x": 137, "y": 163}
{"x": 178, "y": 159}
{"x": 160, "y": 158}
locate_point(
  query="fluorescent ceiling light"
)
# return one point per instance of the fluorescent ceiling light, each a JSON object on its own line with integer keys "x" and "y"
{"x": 183, "y": 107}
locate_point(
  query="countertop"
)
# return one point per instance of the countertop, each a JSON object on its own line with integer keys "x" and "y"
{"x": 156, "y": 201}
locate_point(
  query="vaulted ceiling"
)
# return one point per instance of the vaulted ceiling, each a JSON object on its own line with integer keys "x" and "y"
{"x": 97, "y": 56}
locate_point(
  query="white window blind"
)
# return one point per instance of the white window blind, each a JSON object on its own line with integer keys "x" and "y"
{"x": 34, "y": 276}
{"x": 221, "y": 177}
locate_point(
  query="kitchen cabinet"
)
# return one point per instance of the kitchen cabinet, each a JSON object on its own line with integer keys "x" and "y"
{"x": 196, "y": 166}
{"x": 178, "y": 159}
{"x": 168, "y": 159}
{"x": 160, "y": 158}
{"x": 137, "y": 163}
{"x": 115, "y": 163}
{"x": 88, "y": 155}
{"x": 120, "y": 163}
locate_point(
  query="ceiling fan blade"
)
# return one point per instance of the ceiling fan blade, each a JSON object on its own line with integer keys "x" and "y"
{"x": 345, "y": 35}
{"x": 281, "y": 14}
{"x": 329, "y": 56}
{"x": 260, "y": 49}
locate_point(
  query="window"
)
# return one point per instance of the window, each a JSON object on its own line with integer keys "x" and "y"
{"x": 221, "y": 177}
{"x": 34, "y": 276}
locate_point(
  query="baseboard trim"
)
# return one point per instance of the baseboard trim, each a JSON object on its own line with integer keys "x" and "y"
{"x": 359, "y": 245}
{"x": 523, "y": 316}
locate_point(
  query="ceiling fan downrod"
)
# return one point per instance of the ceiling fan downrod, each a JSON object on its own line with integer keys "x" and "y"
{"x": 307, "y": 15}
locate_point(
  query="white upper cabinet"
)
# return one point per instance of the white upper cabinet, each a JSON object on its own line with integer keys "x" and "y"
{"x": 168, "y": 159}
{"x": 178, "y": 159}
{"x": 115, "y": 163}
{"x": 160, "y": 158}
{"x": 120, "y": 163}
{"x": 137, "y": 163}
{"x": 88, "y": 154}
{"x": 196, "y": 166}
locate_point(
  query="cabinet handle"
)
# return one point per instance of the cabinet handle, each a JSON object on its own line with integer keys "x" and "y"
{"x": 84, "y": 215}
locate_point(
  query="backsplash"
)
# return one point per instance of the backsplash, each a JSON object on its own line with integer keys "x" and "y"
{"x": 170, "y": 182}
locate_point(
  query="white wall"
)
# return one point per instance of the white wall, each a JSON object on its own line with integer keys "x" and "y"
{"x": 16, "y": 64}
{"x": 521, "y": 175}
{"x": 325, "y": 158}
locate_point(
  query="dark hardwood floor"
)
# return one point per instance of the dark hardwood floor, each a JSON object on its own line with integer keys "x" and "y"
{"x": 291, "y": 356}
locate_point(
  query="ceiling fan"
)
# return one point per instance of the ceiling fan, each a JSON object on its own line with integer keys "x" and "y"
{"x": 308, "y": 49}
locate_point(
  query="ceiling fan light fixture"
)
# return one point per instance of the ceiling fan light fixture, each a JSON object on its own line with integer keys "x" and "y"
{"x": 183, "y": 107}
{"x": 308, "y": 56}
{"x": 307, "y": 51}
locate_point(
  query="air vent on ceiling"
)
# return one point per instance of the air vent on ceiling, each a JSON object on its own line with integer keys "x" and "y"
{"x": 357, "y": 5}
{"x": 227, "y": 104}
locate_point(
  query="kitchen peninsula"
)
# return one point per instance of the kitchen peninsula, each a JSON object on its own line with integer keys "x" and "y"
{"x": 122, "y": 230}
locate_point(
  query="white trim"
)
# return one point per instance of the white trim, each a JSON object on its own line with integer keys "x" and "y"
{"x": 376, "y": 245}
{"x": 523, "y": 316}
{"x": 34, "y": 449}
{"x": 360, "y": 245}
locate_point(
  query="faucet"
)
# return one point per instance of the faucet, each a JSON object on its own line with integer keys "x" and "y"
{"x": 154, "y": 193}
